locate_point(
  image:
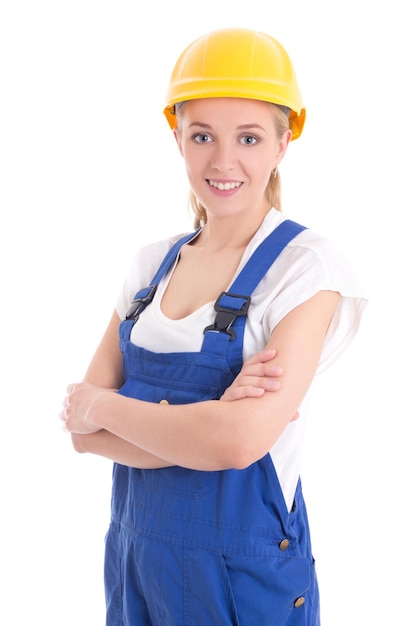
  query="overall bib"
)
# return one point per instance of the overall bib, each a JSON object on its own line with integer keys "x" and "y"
{"x": 205, "y": 548}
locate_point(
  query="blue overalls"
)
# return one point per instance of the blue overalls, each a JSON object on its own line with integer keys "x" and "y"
{"x": 197, "y": 548}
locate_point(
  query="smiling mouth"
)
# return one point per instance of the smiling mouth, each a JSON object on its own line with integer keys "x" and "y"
{"x": 225, "y": 186}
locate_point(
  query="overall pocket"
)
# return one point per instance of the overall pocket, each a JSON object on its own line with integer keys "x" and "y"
{"x": 245, "y": 590}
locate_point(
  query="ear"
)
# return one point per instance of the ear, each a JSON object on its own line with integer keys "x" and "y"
{"x": 282, "y": 147}
{"x": 178, "y": 140}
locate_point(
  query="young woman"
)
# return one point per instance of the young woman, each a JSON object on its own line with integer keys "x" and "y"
{"x": 209, "y": 525}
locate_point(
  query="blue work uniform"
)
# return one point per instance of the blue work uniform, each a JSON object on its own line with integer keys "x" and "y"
{"x": 205, "y": 548}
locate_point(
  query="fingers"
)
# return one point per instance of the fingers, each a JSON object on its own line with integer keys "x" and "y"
{"x": 239, "y": 392}
{"x": 258, "y": 371}
{"x": 63, "y": 418}
{"x": 64, "y": 414}
{"x": 258, "y": 375}
{"x": 77, "y": 405}
{"x": 266, "y": 380}
{"x": 260, "y": 365}
{"x": 261, "y": 357}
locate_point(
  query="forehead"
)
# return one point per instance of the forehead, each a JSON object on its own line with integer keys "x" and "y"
{"x": 241, "y": 110}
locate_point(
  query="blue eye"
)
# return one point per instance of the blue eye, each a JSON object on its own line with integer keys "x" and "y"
{"x": 249, "y": 140}
{"x": 202, "y": 138}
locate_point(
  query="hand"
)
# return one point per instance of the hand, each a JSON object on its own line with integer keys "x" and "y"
{"x": 256, "y": 376}
{"x": 78, "y": 403}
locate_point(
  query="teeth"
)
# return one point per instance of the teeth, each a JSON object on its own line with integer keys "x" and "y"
{"x": 224, "y": 186}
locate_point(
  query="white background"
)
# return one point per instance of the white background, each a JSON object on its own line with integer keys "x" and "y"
{"x": 89, "y": 172}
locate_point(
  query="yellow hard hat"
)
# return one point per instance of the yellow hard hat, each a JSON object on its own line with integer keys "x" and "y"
{"x": 236, "y": 63}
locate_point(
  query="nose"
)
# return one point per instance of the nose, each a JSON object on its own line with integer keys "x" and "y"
{"x": 223, "y": 157}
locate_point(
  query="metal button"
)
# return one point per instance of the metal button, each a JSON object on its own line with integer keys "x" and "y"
{"x": 299, "y": 602}
{"x": 283, "y": 545}
{"x": 164, "y": 401}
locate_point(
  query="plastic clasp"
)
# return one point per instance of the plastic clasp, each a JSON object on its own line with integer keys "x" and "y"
{"x": 228, "y": 307}
{"x": 141, "y": 301}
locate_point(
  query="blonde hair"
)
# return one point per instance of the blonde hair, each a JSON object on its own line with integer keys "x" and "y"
{"x": 273, "y": 188}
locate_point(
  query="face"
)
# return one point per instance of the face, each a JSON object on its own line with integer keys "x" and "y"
{"x": 230, "y": 146}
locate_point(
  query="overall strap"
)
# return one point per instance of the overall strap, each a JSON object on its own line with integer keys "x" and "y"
{"x": 171, "y": 255}
{"x": 146, "y": 295}
{"x": 225, "y": 335}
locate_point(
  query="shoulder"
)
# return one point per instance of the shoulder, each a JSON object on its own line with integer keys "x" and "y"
{"x": 144, "y": 265}
{"x": 322, "y": 257}
{"x": 307, "y": 242}
{"x": 315, "y": 258}
{"x": 313, "y": 263}
{"x": 148, "y": 258}
{"x": 310, "y": 261}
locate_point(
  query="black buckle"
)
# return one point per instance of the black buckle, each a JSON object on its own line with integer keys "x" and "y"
{"x": 226, "y": 315}
{"x": 141, "y": 301}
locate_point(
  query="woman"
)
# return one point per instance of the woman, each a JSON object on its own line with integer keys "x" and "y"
{"x": 209, "y": 524}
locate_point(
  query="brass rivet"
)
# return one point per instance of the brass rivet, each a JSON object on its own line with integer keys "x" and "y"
{"x": 283, "y": 545}
{"x": 299, "y": 602}
{"x": 164, "y": 402}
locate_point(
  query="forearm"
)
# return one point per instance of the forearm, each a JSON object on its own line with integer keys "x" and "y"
{"x": 206, "y": 436}
{"x": 108, "y": 445}
{"x": 213, "y": 435}
{"x": 257, "y": 376}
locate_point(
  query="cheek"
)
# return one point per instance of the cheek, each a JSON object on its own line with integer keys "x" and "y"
{"x": 192, "y": 169}
{"x": 194, "y": 159}
{"x": 261, "y": 166}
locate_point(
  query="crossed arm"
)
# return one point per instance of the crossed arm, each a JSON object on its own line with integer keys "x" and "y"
{"x": 233, "y": 432}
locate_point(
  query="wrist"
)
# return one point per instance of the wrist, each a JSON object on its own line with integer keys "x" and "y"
{"x": 100, "y": 409}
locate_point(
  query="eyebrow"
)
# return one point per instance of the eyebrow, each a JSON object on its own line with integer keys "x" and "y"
{"x": 241, "y": 127}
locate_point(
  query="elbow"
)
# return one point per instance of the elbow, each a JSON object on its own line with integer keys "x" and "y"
{"x": 249, "y": 444}
{"x": 247, "y": 437}
{"x": 79, "y": 443}
{"x": 241, "y": 464}
{"x": 248, "y": 447}
{"x": 243, "y": 461}
{"x": 242, "y": 456}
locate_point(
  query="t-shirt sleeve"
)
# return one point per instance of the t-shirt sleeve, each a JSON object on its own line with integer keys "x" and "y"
{"x": 312, "y": 265}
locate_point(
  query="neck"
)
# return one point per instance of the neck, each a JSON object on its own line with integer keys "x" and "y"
{"x": 235, "y": 232}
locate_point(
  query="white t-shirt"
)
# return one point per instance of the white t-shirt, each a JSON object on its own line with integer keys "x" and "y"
{"x": 309, "y": 263}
